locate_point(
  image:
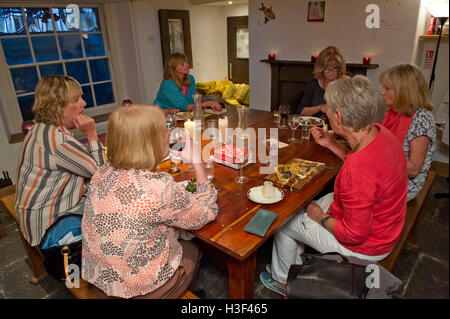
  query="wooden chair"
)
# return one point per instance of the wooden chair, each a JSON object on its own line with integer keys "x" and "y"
{"x": 409, "y": 233}
{"x": 33, "y": 253}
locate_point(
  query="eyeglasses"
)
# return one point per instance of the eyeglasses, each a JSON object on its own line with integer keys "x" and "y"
{"x": 331, "y": 69}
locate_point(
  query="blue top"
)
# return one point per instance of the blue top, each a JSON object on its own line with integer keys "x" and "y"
{"x": 169, "y": 95}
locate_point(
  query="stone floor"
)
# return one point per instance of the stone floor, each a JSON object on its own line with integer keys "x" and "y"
{"x": 424, "y": 273}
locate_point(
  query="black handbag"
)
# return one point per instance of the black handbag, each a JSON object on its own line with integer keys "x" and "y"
{"x": 323, "y": 278}
{"x": 54, "y": 257}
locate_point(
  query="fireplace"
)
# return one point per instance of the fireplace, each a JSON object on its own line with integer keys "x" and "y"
{"x": 290, "y": 77}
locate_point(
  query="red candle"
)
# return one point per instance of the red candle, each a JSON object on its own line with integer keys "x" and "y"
{"x": 313, "y": 58}
{"x": 271, "y": 56}
{"x": 366, "y": 60}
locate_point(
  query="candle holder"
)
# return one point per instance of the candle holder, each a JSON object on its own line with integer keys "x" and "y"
{"x": 366, "y": 60}
{"x": 313, "y": 58}
{"x": 271, "y": 57}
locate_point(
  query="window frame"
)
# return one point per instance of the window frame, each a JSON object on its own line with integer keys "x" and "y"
{"x": 10, "y": 112}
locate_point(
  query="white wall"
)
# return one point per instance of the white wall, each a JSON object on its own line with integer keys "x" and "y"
{"x": 291, "y": 37}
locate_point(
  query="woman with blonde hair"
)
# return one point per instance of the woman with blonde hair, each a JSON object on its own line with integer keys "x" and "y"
{"x": 54, "y": 167}
{"x": 133, "y": 214}
{"x": 178, "y": 86}
{"x": 329, "y": 66}
{"x": 406, "y": 94}
{"x": 364, "y": 216}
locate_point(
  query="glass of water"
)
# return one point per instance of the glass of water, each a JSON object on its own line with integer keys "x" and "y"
{"x": 209, "y": 170}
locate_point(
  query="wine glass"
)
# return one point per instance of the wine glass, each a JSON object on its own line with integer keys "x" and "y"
{"x": 285, "y": 109}
{"x": 293, "y": 123}
{"x": 175, "y": 141}
{"x": 171, "y": 121}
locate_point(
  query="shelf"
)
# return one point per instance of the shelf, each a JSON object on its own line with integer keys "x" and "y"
{"x": 433, "y": 36}
{"x": 284, "y": 62}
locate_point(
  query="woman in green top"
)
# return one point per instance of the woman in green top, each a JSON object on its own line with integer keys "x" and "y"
{"x": 178, "y": 86}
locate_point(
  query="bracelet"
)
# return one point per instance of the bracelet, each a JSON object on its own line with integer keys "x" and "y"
{"x": 324, "y": 221}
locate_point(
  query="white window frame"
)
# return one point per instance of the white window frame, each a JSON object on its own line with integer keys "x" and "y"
{"x": 9, "y": 107}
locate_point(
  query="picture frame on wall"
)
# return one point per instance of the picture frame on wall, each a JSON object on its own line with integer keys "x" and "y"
{"x": 316, "y": 11}
{"x": 175, "y": 32}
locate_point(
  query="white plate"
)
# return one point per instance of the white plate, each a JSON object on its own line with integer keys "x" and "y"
{"x": 255, "y": 194}
{"x": 305, "y": 118}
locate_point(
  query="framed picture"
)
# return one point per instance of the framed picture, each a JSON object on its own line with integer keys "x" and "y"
{"x": 316, "y": 11}
{"x": 175, "y": 33}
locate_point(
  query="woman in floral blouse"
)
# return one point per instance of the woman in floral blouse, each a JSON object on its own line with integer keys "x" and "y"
{"x": 132, "y": 213}
{"x": 406, "y": 94}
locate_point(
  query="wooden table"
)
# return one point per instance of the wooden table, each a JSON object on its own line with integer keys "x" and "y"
{"x": 226, "y": 232}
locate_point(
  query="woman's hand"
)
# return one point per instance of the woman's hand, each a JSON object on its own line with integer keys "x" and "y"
{"x": 169, "y": 111}
{"x": 322, "y": 138}
{"x": 314, "y": 212}
{"x": 212, "y": 104}
{"x": 86, "y": 125}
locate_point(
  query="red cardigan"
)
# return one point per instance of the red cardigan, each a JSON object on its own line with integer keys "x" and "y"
{"x": 370, "y": 196}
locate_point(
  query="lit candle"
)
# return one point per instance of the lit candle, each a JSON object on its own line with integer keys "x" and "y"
{"x": 366, "y": 60}
{"x": 223, "y": 124}
{"x": 313, "y": 58}
{"x": 271, "y": 56}
{"x": 190, "y": 127}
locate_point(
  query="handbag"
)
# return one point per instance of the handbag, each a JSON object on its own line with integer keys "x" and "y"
{"x": 324, "y": 278}
{"x": 53, "y": 253}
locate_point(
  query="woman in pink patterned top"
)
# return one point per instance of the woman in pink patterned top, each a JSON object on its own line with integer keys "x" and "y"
{"x": 132, "y": 213}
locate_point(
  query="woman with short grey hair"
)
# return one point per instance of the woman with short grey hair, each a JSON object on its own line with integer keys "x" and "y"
{"x": 365, "y": 214}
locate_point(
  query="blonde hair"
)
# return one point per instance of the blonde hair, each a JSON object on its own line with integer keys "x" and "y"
{"x": 355, "y": 98}
{"x": 52, "y": 94}
{"x": 411, "y": 89}
{"x": 172, "y": 62}
{"x": 135, "y": 136}
{"x": 327, "y": 55}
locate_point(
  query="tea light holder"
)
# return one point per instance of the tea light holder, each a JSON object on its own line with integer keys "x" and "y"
{"x": 271, "y": 57}
{"x": 366, "y": 60}
{"x": 313, "y": 58}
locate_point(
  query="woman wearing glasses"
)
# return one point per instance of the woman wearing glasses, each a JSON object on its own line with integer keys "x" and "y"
{"x": 330, "y": 66}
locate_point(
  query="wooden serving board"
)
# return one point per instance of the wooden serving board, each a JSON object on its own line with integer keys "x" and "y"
{"x": 307, "y": 169}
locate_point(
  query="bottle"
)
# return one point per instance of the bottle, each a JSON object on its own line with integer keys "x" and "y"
{"x": 199, "y": 118}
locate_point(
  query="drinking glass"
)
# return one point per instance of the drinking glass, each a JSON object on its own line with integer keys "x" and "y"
{"x": 276, "y": 117}
{"x": 305, "y": 132}
{"x": 285, "y": 109}
{"x": 209, "y": 170}
{"x": 171, "y": 121}
{"x": 293, "y": 123}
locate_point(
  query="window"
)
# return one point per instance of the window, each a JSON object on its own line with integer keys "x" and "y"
{"x": 41, "y": 41}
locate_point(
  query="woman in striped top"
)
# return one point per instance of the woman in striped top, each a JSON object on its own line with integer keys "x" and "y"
{"x": 53, "y": 166}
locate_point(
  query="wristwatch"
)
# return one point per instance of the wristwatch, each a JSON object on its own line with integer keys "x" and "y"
{"x": 324, "y": 221}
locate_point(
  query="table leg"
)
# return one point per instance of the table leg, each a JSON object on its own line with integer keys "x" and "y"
{"x": 241, "y": 275}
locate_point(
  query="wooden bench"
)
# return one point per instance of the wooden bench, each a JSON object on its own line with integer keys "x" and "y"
{"x": 85, "y": 290}
{"x": 413, "y": 215}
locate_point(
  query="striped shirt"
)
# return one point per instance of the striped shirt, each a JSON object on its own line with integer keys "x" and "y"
{"x": 52, "y": 170}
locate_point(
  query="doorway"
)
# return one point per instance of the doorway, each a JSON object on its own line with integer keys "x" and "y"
{"x": 238, "y": 49}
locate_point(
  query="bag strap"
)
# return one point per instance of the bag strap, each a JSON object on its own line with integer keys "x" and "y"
{"x": 65, "y": 252}
{"x": 305, "y": 256}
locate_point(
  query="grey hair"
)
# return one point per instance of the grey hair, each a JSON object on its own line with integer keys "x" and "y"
{"x": 355, "y": 98}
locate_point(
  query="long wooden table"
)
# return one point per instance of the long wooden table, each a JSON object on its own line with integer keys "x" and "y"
{"x": 226, "y": 233}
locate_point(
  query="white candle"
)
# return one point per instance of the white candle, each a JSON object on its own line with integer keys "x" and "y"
{"x": 190, "y": 127}
{"x": 268, "y": 190}
{"x": 223, "y": 124}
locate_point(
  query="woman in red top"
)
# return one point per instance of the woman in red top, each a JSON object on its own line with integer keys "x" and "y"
{"x": 365, "y": 214}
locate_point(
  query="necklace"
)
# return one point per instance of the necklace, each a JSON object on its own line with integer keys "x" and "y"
{"x": 358, "y": 142}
